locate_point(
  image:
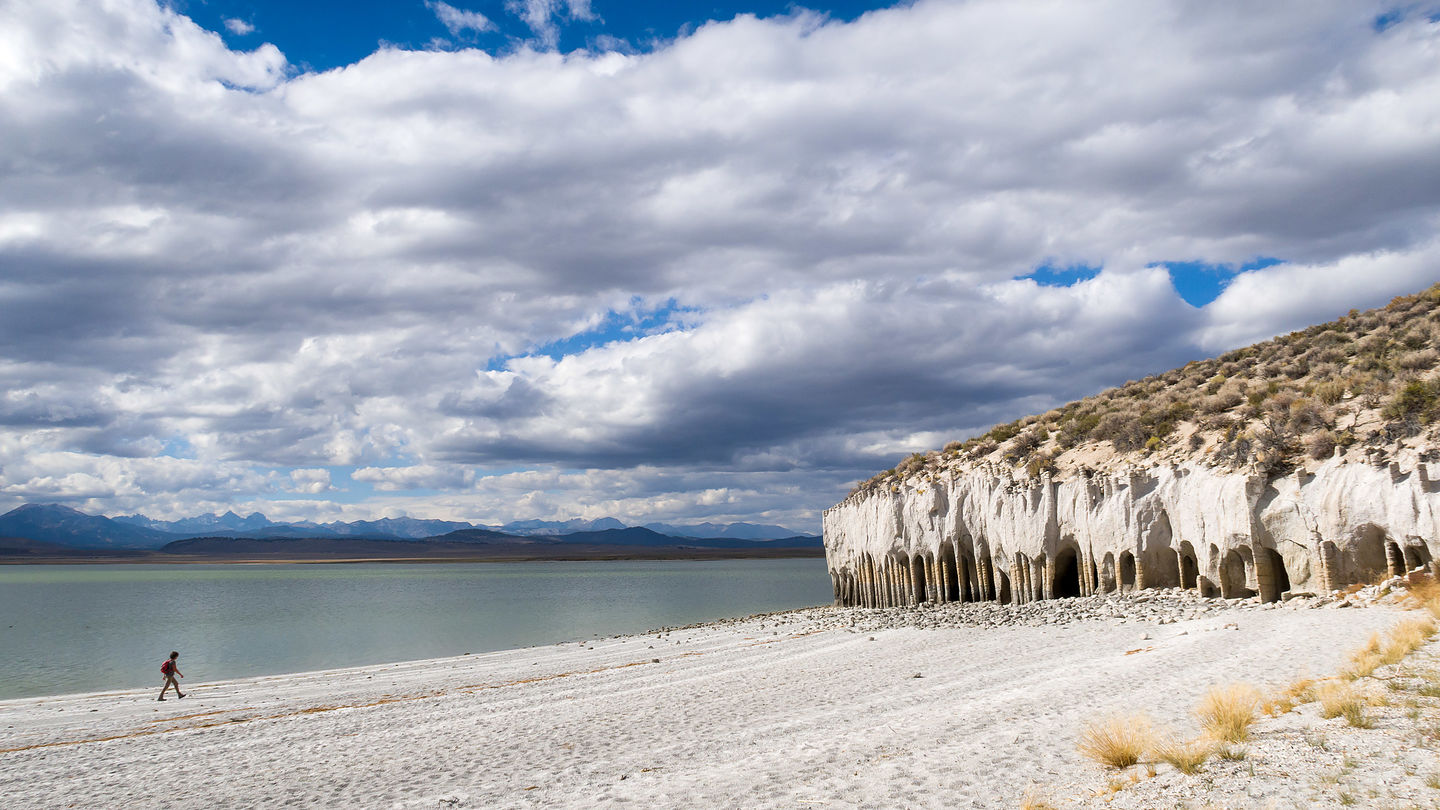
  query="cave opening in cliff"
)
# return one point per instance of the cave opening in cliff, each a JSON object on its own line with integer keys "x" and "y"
{"x": 1234, "y": 576}
{"x": 950, "y": 573}
{"x": 1107, "y": 573}
{"x": 1189, "y": 567}
{"x": 1280, "y": 578}
{"x": 1416, "y": 556}
{"x": 967, "y": 579}
{"x": 1067, "y": 574}
{"x": 1368, "y": 555}
{"x": 917, "y": 580}
{"x": 1127, "y": 572}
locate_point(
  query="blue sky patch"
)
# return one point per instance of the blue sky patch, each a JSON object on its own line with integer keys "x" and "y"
{"x": 1200, "y": 283}
{"x": 323, "y": 34}
{"x": 1049, "y": 276}
{"x": 1388, "y": 19}
{"x": 614, "y": 326}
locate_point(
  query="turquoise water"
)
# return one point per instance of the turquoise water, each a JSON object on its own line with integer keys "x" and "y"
{"x": 82, "y": 628}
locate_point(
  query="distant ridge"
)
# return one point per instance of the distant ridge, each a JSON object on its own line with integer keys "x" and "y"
{"x": 524, "y": 527}
{"x": 63, "y": 526}
{"x": 39, "y": 529}
{"x": 736, "y": 531}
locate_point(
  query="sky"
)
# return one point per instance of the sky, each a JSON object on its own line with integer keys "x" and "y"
{"x": 660, "y": 261}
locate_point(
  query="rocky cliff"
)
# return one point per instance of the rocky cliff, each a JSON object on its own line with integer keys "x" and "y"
{"x": 1190, "y": 506}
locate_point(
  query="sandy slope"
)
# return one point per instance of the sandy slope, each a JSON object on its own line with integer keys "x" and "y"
{"x": 793, "y": 710}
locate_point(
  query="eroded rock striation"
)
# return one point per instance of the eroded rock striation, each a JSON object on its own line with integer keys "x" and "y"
{"x": 978, "y": 532}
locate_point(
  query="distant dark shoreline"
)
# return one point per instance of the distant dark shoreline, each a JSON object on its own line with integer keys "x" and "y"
{"x": 611, "y": 553}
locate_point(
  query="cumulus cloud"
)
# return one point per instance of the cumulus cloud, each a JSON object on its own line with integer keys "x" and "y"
{"x": 221, "y": 273}
{"x": 239, "y": 27}
{"x": 458, "y": 20}
{"x": 310, "y": 481}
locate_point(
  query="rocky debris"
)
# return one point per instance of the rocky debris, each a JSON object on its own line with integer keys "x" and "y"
{"x": 1143, "y": 608}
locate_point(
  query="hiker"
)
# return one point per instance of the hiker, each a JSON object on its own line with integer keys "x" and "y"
{"x": 170, "y": 669}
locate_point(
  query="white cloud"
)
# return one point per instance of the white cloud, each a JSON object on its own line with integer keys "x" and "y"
{"x": 239, "y": 27}
{"x": 458, "y": 20}
{"x": 543, "y": 16}
{"x": 310, "y": 481}
{"x": 218, "y": 270}
{"x": 1261, "y": 304}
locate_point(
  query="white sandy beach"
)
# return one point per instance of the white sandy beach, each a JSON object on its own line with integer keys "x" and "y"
{"x": 790, "y": 710}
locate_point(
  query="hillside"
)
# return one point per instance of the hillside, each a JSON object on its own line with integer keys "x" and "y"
{"x": 1363, "y": 386}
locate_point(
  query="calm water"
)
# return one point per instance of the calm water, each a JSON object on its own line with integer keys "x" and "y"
{"x": 81, "y": 628}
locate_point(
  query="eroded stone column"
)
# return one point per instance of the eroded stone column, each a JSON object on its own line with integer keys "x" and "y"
{"x": 1394, "y": 562}
{"x": 1329, "y": 566}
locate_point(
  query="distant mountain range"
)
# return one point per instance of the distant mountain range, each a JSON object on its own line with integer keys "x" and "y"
{"x": 733, "y": 531}
{"x": 52, "y": 525}
{"x": 257, "y": 525}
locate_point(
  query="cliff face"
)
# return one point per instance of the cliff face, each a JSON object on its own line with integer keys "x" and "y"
{"x": 977, "y": 532}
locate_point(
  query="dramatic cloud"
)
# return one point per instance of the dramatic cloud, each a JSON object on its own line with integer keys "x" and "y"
{"x": 721, "y": 280}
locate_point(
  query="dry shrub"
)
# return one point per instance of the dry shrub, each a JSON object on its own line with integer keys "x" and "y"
{"x": 1233, "y": 753}
{"x": 1188, "y": 756}
{"x": 1405, "y": 638}
{"x": 1424, "y": 593}
{"x": 1225, "y": 713}
{"x": 1117, "y": 741}
{"x": 1330, "y": 392}
{"x": 1364, "y": 661}
{"x": 1343, "y": 699}
{"x": 1300, "y": 691}
{"x": 1321, "y": 445}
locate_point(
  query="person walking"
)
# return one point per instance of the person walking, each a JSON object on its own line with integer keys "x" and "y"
{"x": 170, "y": 669}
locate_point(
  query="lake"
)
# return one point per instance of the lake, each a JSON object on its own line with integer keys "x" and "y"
{"x": 83, "y": 628}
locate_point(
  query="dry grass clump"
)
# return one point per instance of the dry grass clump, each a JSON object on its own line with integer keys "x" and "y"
{"x": 1343, "y": 699}
{"x": 1405, "y": 638}
{"x": 1364, "y": 661}
{"x": 1117, "y": 741}
{"x": 1424, "y": 593}
{"x": 1225, "y": 713}
{"x": 1187, "y": 756}
{"x": 1298, "y": 692}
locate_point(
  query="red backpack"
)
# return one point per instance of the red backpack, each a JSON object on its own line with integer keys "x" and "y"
{"x": 167, "y": 667}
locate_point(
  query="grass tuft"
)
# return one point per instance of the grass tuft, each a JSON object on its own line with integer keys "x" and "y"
{"x": 1188, "y": 757}
{"x": 1300, "y": 691}
{"x": 1117, "y": 741}
{"x": 1405, "y": 638}
{"x": 1424, "y": 593}
{"x": 1344, "y": 700}
{"x": 1364, "y": 661}
{"x": 1233, "y": 753}
{"x": 1225, "y": 713}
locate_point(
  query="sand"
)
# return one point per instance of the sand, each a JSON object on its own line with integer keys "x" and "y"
{"x": 824, "y": 707}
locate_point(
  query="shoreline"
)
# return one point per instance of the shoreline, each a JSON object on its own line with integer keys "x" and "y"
{"x": 926, "y": 707}
{"x": 155, "y": 558}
